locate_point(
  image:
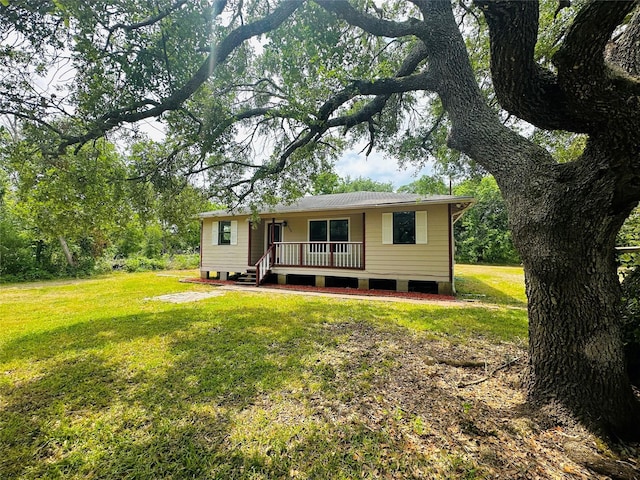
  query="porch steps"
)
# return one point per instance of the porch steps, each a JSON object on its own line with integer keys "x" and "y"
{"x": 247, "y": 278}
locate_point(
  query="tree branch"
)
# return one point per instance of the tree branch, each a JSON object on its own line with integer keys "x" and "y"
{"x": 566, "y": 101}
{"x": 582, "y": 52}
{"x": 369, "y": 23}
{"x": 523, "y": 87}
{"x": 218, "y": 55}
{"x": 625, "y": 52}
{"x": 145, "y": 23}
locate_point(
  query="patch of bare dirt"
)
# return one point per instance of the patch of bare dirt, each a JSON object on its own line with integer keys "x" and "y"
{"x": 461, "y": 399}
{"x": 185, "y": 297}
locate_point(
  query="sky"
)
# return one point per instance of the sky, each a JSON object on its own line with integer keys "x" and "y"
{"x": 352, "y": 163}
{"x": 378, "y": 167}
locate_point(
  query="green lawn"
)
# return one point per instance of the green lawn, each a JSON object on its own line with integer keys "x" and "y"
{"x": 500, "y": 285}
{"x": 99, "y": 381}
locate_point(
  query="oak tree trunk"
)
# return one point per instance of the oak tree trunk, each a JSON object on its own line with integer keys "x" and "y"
{"x": 565, "y": 230}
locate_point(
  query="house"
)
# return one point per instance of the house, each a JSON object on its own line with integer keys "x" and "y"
{"x": 362, "y": 240}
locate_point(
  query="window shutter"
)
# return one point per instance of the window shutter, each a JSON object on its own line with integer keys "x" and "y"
{"x": 234, "y": 232}
{"x": 387, "y": 228}
{"x": 421, "y": 227}
{"x": 214, "y": 234}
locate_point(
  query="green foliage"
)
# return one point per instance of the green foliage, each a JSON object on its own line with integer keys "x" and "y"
{"x": 85, "y": 198}
{"x": 629, "y": 236}
{"x": 141, "y": 264}
{"x": 325, "y": 183}
{"x": 631, "y": 320}
{"x": 564, "y": 146}
{"x": 482, "y": 234}
{"x": 329, "y": 182}
{"x": 426, "y": 185}
{"x": 362, "y": 184}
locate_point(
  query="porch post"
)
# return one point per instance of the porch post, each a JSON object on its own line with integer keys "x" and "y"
{"x": 273, "y": 231}
{"x": 364, "y": 241}
{"x": 249, "y": 252}
{"x": 331, "y": 245}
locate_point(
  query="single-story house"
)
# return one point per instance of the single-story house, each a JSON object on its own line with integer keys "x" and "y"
{"x": 362, "y": 240}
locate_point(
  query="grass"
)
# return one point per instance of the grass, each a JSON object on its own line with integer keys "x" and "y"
{"x": 500, "y": 285}
{"x": 99, "y": 381}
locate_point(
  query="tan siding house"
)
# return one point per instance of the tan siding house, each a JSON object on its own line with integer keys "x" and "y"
{"x": 360, "y": 239}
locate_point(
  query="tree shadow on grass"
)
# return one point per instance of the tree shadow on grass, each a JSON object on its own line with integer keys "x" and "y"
{"x": 87, "y": 399}
{"x": 246, "y": 392}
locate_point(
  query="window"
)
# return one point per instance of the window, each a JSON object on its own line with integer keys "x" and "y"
{"x": 318, "y": 231}
{"x": 224, "y": 233}
{"x": 337, "y": 230}
{"x": 404, "y": 227}
{"x": 328, "y": 230}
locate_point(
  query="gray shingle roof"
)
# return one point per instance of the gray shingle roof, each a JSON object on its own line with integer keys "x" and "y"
{"x": 349, "y": 201}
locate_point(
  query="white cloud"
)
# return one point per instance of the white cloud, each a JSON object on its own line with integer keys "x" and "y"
{"x": 378, "y": 167}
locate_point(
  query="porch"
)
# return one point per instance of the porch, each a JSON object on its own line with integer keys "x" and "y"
{"x": 348, "y": 255}
{"x": 333, "y": 255}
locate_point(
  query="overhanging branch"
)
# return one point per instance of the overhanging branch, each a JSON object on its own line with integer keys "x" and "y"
{"x": 218, "y": 55}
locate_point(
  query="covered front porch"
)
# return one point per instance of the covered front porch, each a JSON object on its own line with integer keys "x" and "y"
{"x": 304, "y": 242}
{"x": 333, "y": 255}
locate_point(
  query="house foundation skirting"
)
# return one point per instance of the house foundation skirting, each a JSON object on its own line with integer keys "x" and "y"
{"x": 361, "y": 283}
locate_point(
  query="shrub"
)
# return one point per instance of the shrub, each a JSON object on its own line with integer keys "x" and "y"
{"x": 140, "y": 264}
{"x": 184, "y": 261}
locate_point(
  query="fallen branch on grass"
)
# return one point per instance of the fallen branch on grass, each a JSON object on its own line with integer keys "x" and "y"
{"x": 615, "y": 469}
{"x": 491, "y": 374}
{"x": 460, "y": 363}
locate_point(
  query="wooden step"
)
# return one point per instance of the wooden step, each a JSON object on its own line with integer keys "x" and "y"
{"x": 247, "y": 278}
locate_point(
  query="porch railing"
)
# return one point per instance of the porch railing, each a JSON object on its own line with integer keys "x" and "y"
{"x": 264, "y": 265}
{"x": 347, "y": 255}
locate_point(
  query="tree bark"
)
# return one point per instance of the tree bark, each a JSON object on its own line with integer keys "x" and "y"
{"x": 66, "y": 251}
{"x": 565, "y": 217}
{"x": 565, "y": 228}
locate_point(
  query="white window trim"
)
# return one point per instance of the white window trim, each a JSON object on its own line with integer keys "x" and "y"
{"x": 328, "y": 226}
{"x": 215, "y": 231}
{"x": 421, "y": 227}
{"x": 234, "y": 232}
{"x": 387, "y": 228}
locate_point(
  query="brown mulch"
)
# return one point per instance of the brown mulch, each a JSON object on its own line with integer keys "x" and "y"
{"x": 334, "y": 290}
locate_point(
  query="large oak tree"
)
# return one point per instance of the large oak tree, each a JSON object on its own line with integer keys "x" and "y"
{"x": 225, "y": 75}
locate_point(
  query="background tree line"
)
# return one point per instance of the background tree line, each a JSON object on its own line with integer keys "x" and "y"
{"x": 91, "y": 211}
{"x": 96, "y": 209}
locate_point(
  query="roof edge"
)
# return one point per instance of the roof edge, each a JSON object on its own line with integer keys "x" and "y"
{"x": 426, "y": 201}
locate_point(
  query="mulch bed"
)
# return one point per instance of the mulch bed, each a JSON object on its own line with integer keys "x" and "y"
{"x": 333, "y": 290}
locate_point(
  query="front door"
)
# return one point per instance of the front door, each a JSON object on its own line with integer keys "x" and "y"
{"x": 274, "y": 233}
